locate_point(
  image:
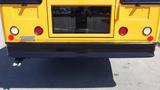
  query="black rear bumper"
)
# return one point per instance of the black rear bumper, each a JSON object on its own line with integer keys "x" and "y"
{"x": 80, "y": 50}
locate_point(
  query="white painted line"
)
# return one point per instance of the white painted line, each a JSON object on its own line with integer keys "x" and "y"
{"x": 2, "y": 41}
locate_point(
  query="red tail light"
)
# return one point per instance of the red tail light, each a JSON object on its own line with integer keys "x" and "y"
{"x": 150, "y": 38}
{"x": 38, "y": 30}
{"x": 123, "y": 31}
{"x": 11, "y": 37}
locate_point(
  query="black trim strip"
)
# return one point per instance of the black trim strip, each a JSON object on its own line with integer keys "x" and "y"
{"x": 137, "y": 2}
{"x": 20, "y": 1}
{"x": 80, "y": 49}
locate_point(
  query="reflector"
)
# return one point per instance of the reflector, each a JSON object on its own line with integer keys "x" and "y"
{"x": 150, "y": 38}
{"x": 11, "y": 37}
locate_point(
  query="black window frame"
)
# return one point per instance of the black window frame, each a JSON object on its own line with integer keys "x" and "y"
{"x": 140, "y": 1}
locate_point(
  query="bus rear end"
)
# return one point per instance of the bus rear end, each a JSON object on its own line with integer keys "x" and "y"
{"x": 73, "y": 28}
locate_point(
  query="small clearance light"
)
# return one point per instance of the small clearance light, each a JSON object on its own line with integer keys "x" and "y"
{"x": 11, "y": 37}
{"x": 38, "y": 30}
{"x": 14, "y": 30}
{"x": 123, "y": 31}
{"x": 147, "y": 31}
{"x": 150, "y": 38}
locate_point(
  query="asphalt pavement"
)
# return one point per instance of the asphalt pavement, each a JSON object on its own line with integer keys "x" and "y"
{"x": 79, "y": 73}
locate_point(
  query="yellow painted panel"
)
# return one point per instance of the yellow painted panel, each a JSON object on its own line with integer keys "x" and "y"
{"x": 137, "y": 12}
{"x": 25, "y": 13}
{"x": 143, "y": 17}
{"x": 135, "y": 18}
{"x": 27, "y": 22}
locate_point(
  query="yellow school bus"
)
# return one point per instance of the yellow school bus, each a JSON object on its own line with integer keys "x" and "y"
{"x": 73, "y": 28}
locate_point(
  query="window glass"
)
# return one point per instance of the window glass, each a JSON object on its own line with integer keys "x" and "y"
{"x": 81, "y": 19}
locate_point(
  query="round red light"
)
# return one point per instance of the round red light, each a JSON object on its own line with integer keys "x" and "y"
{"x": 123, "y": 31}
{"x": 38, "y": 30}
{"x": 150, "y": 38}
{"x": 11, "y": 37}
